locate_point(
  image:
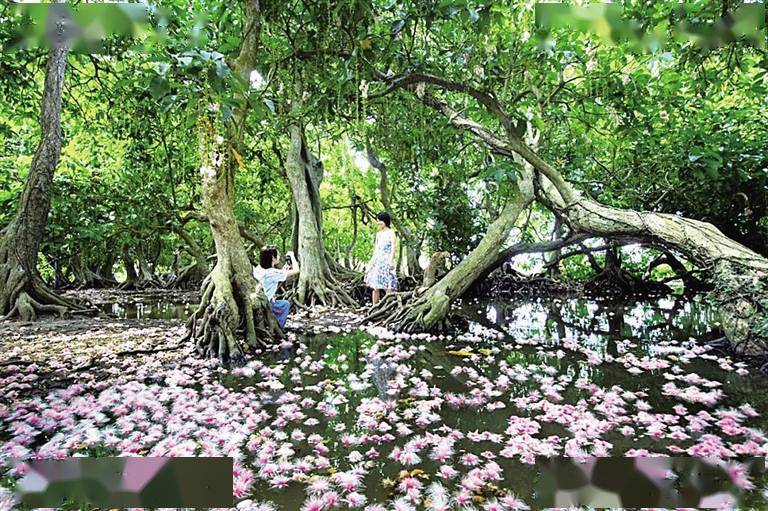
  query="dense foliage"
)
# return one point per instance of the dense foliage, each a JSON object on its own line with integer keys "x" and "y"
{"x": 678, "y": 128}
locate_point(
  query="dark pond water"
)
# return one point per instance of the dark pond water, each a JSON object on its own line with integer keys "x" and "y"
{"x": 562, "y": 352}
{"x": 338, "y": 420}
{"x": 149, "y": 309}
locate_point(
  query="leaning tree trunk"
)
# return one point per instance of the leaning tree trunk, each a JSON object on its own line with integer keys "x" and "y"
{"x": 231, "y": 296}
{"x": 738, "y": 274}
{"x": 428, "y": 311}
{"x": 22, "y": 290}
{"x": 317, "y": 282}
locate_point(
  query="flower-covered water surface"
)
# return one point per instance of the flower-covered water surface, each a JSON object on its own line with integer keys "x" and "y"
{"x": 342, "y": 418}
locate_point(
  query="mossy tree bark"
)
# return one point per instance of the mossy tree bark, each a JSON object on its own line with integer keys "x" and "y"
{"x": 319, "y": 281}
{"x": 231, "y": 296}
{"x": 738, "y": 274}
{"x": 22, "y": 290}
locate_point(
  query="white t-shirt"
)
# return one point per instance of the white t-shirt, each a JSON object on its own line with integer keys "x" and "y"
{"x": 269, "y": 279}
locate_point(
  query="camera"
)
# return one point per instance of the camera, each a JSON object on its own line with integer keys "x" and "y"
{"x": 288, "y": 260}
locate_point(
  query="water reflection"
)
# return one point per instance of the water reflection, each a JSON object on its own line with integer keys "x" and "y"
{"x": 150, "y": 309}
{"x": 599, "y": 324}
{"x": 442, "y": 386}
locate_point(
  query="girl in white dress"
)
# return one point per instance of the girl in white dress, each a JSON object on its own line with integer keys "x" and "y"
{"x": 381, "y": 269}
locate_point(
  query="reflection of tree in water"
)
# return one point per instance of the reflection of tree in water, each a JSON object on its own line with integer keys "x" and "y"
{"x": 601, "y": 323}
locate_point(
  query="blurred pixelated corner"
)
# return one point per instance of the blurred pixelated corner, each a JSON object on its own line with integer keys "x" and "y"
{"x": 642, "y": 482}
{"x": 87, "y": 27}
{"x": 684, "y": 21}
{"x": 153, "y": 482}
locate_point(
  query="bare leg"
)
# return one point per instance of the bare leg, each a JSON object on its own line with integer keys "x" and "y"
{"x": 375, "y": 296}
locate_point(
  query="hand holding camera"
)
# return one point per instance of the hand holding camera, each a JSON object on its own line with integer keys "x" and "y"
{"x": 289, "y": 257}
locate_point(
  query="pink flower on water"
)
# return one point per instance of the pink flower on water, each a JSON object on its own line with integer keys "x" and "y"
{"x": 355, "y": 499}
{"x": 331, "y": 499}
{"x": 313, "y": 504}
{"x": 410, "y": 483}
{"x": 463, "y": 498}
{"x": 514, "y": 503}
{"x": 447, "y": 472}
{"x": 442, "y": 451}
{"x": 318, "y": 486}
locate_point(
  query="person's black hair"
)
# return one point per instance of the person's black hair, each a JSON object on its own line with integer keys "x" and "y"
{"x": 384, "y": 217}
{"x": 268, "y": 253}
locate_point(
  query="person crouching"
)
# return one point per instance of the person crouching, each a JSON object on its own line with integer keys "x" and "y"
{"x": 271, "y": 276}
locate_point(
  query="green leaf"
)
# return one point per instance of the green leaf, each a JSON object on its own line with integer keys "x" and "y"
{"x": 158, "y": 87}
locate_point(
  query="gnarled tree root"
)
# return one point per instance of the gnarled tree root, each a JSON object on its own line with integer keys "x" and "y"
{"x": 407, "y": 312}
{"x": 27, "y": 308}
{"x": 222, "y": 310}
{"x": 26, "y": 296}
{"x": 329, "y": 291}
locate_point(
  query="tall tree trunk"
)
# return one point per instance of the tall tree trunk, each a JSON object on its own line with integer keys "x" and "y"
{"x": 22, "y": 290}
{"x": 317, "y": 282}
{"x": 231, "y": 296}
{"x": 130, "y": 269}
